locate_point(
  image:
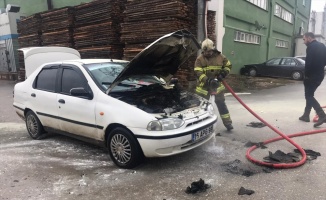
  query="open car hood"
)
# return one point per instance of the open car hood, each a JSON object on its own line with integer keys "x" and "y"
{"x": 162, "y": 58}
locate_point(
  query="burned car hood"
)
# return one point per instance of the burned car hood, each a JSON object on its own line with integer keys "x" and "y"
{"x": 162, "y": 58}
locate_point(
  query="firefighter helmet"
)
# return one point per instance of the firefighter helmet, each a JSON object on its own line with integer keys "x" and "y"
{"x": 207, "y": 45}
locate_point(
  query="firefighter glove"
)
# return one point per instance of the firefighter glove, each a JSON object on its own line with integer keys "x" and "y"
{"x": 212, "y": 84}
{"x": 222, "y": 74}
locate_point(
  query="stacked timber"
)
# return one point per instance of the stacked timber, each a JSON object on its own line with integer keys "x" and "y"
{"x": 21, "y": 67}
{"x": 29, "y": 30}
{"x": 211, "y": 26}
{"x": 97, "y": 29}
{"x": 29, "y": 35}
{"x": 145, "y": 21}
{"x": 57, "y": 27}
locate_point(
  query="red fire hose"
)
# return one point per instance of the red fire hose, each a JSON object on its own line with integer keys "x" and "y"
{"x": 282, "y": 136}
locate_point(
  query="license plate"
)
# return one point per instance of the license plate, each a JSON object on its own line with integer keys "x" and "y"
{"x": 202, "y": 133}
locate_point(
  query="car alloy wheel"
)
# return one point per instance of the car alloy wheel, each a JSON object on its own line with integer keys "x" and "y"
{"x": 121, "y": 149}
{"x": 296, "y": 75}
{"x": 252, "y": 72}
{"x": 33, "y": 125}
{"x": 124, "y": 148}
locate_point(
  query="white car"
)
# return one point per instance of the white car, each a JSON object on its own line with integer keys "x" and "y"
{"x": 127, "y": 107}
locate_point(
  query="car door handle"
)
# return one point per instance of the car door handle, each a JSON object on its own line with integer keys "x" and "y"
{"x": 33, "y": 95}
{"x": 62, "y": 101}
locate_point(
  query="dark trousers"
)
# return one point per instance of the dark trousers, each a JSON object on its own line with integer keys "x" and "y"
{"x": 310, "y": 86}
{"x": 222, "y": 108}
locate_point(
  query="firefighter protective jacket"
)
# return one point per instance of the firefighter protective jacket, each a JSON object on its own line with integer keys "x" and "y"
{"x": 210, "y": 68}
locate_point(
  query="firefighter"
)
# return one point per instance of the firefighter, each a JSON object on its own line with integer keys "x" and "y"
{"x": 210, "y": 67}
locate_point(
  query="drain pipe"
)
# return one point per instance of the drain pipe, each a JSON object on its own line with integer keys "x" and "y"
{"x": 201, "y": 21}
{"x": 50, "y": 5}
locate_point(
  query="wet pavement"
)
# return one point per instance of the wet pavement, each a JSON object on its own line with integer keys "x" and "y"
{"x": 59, "y": 167}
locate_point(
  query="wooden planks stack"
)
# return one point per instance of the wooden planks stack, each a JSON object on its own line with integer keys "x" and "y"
{"x": 29, "y": 30}
{"x": 97, "y": 29}
{"x": 211, "y": 26}
{"x": 57, "y": 27}
{"x": 21, "y": 67}
{"x": 145, "y": 21}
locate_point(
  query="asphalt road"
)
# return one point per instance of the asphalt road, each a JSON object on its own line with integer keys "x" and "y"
{"x": 62, "y": 168}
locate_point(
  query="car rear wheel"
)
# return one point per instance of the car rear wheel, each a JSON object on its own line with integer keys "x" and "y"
{"x": 124, "y": 149}
{"x": 296, "y": 75}
{"x": 33, "y": 125}
{"x": 252, "y": 72}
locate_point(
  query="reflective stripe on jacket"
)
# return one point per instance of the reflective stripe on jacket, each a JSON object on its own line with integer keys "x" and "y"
{"x": 210, "y": 68}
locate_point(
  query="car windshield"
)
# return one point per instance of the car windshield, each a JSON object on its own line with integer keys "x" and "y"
{"x": 105, "y": 73}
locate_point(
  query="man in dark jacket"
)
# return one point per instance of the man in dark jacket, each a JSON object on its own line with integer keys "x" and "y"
{"x": 314, "y": 75}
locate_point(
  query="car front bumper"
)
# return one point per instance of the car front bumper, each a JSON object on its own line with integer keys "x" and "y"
{"x": 167, "y": 143}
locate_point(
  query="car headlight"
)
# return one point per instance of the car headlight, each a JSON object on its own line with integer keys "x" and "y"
{"x": 165, "y": 124}
{"x": 210, "y": 109}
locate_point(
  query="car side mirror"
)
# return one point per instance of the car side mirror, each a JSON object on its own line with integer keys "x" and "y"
{"x": 81, "y": 92}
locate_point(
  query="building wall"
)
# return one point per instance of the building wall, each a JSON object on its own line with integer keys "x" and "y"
{"x": 218, "y": 6}
{"x": 8, "y": 41}
{"x": 241, "y": 15}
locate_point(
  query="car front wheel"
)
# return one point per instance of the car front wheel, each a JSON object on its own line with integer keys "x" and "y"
{"x": 33, "y": 125}
{"x": 123, "y": 148}
{"x": 252, "y": 72}
{"x": 296, "y": 75}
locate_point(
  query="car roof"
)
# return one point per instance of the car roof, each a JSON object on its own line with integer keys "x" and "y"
{"x": 91, "y": 61}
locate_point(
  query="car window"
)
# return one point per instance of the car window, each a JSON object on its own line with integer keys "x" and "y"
{"x": 46, "y": 79}
{"x": 288, "y": 61}
{"x": 275, "y": 61}
{"x": 301, "y": 61}
{"x": 105, "y": 73}
{"x": 71, "y": 79}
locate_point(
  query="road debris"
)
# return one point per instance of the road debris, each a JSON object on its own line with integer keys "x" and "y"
{"x": 281, "y": 157}
{"x": 244, "y": 191}
{"x": 197, "y": 186}
{"x": 258, "y": 144}
{"x": 236, "y": 167}
{"x": 256, "y": 124}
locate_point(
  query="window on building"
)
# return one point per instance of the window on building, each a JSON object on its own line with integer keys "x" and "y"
{"x": 282, "y": 13}
{"x": 260, "y": 3}
{"x": 246, "y": 37}
{"x": 282, "y": 43}
{"x": 302, "y": 28}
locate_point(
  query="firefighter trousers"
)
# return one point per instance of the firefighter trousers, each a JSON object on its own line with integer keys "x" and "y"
{"x": 222, "y": 108}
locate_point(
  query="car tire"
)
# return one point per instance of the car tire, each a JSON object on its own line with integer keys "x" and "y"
{"x": 124, "y": 149}
{"x": 242, "y": 71}
{"x": 34, "y": 127}
{"x": 296, "y": 75}
{"x": 252, "y": 72}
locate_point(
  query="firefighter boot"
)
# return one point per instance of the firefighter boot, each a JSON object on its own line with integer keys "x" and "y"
{"x": 229, "y": 127}
{"x": 321, "y": 118}
{"x": 227, "y": 121}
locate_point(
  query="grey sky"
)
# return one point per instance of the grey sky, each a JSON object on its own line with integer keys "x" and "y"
{"x": 318, "y": 5}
